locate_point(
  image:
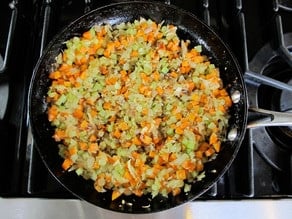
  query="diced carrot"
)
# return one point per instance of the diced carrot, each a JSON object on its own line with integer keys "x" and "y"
{"x": 159, "y": 90}
{"x": 146, "y": 139}
{"x": 188, "y": 165}
{"x": 83, "y": 50}
{"x": 87, "y": 35}
{"x": 107, "y": 53}
{"x": 135, "y": 155}
{"x": 178, "y": 116}
{"x": 185, "y": 69}
{"x": 134, "y": 53}
{"x": 209, "y": 152}
{"x": 95, "y": 165}
{"x": 176, "y": 191}
{"x": 113, "y": 159}
{"x": 115, "y": 195}
{"x": 156, "y": 140}
{"x": 83, "y": 146}
{"x": 126, "y": 94}
{"x": 127, "y": 144}
{"x": 191, "y": 86}
{"x": 216, "y": 92}
{"x": 138, "y": 192}
{"x": 199, "y": 154}
{"x": 156, "y": 76}
{"x": 204, "y": 146}
{"x": 64, "y": 67}
{"x": 145, "y": 90}
{"x": 185, "y": 63}
{"x": 144, "y": 111}
{"x": 127, "y": 175}
{"x": 93, "y": 148}
{"x": 136, "y": 141}
{"x": 181, "y": 174}
{"x": 67, "y": 83}
{"x": 152, "y": 154}
{"x": 55, "y": 75}
{"x": 198, "y": 59}
{"x": 112, "y": 118}
{"x": 123, "y": 126}
{"x": 228, "y": 101}
{"x": 172, "y": 157}
{"x": 165, "y": 157}
{"x": 83, "y": 75}
{"x": 117, "y": 43}
{"x": 52, "y": 113}
{"x": 93, "y": 48}
{"x": 111, "y": 80}
{"x": 217, "y": 146}
{"x": 64, "y": 57}
{"x": 173, "y": 74}
{"x": 179, "y": 130}
{"x": 145, "y": 78}
{"x": 93, "y": 113}
{"x": 72, "y": 150}
{"x": 59, "y": 135}
{"x": 145, "y": 124}
{"x": 123, "y": 73}
{"x": 202, "y": 86}
{"x": 103, "y": 70}
{"x": 199, "y": 165}
{"x": 84, "y": 124}
{"x": 213, "y": 138}
{"x": 67, "y": 163}
{"x": 106, "y": 105}
{"x": 92, "y": 138}
{"x": 223, "y": 92}
{"x": 117, "y": 133}
{"x": 78, "y": 113}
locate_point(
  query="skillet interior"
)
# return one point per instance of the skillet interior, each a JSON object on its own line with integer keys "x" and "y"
{"x": 189, "y": 27}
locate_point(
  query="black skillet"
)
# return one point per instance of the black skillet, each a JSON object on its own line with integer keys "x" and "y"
{"x": 189, "y": 27}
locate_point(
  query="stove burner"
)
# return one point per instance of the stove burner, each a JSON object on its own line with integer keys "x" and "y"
{"x": 272, "y": 143}
{"x": 277, "y": 100}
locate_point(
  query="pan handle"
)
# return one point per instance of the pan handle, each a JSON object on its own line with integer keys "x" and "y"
{"x": 269, "y": 118}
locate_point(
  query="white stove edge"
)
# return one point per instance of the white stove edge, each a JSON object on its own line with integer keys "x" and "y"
{"x": 35, "y": 208}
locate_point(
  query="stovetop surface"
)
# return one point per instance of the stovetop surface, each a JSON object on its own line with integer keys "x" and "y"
{"x": 254, "y": 31}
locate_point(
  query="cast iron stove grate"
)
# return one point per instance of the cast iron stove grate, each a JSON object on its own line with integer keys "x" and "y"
{"x": 247, "y": 27}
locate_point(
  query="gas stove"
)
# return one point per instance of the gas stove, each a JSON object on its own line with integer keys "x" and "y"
{"x": 260, "y": 36}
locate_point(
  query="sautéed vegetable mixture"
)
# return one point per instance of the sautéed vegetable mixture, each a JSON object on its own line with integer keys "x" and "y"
{"x": 136, "y": 110}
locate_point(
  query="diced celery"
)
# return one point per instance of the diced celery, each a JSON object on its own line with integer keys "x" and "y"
{"x": 79, "y": 171}
{"x": 169, "y": 131}
{"x": 164, "y": 69}
{"x": 198, "y": 48}
{"x": 62, "y": 99}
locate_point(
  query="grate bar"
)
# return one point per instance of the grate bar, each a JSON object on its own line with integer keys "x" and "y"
{"x": 282, "y": 50}
{"x": 46, "y": 21}
{"x": 13, "y": 7}
{"x": 250, "y": 174}
{"x": 206, "y": 12}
